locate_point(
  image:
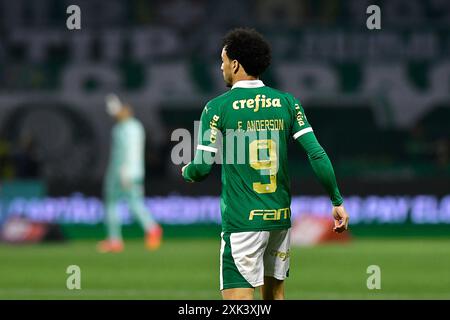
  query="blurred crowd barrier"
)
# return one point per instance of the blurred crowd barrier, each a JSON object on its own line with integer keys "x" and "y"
{"x": 82, "y": 216}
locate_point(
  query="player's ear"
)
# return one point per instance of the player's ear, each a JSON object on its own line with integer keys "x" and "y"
{"x": 235, "y": 66}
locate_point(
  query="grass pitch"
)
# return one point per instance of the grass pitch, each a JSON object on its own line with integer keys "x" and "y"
{"x": 189, "y": 269}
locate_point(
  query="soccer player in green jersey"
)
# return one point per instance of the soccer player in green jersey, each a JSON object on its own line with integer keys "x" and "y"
{"x": 255, "y": 123}
{"x": 124, "y": 178}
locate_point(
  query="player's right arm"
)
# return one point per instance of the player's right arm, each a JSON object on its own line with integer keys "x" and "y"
{"x": 206, "y": 149}
{"x": 320, "y": 163}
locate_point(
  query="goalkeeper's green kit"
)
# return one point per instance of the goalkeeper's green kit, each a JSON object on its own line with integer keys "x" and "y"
{"x": 256, "y": 123}
{"x": 125, "y": 176}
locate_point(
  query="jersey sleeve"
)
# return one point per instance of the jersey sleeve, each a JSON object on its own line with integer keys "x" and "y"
{"x": 209, "y": 129}
{"x": 300, "y": 124}
{"x": 322, "y": 167}
{"x": 208, "y": 135}
{"x": 317, "y": 156}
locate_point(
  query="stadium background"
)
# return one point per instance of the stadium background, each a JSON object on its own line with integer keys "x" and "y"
{"x": 379, "y": 101}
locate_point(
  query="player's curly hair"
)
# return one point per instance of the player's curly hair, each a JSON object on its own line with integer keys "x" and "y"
{"x": 249, "y": 48}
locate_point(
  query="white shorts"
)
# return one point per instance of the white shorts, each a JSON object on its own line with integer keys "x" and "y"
{"x": 246, "y": 257}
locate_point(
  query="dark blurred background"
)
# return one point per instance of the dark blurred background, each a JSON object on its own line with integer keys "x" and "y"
{"x": 378, "y": 100}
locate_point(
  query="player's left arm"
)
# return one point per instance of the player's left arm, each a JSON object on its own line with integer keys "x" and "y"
{"x": 200, "y": 167}
{"x": 321, "y": 165}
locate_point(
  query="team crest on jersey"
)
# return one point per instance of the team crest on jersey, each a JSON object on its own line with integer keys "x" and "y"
{"x": 260, "y": 101}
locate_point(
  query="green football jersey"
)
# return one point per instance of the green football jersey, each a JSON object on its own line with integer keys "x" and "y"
{"x": 254, "y": 123}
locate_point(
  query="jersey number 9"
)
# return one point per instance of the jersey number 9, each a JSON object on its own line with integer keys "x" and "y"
{"x": 268, "y": 167}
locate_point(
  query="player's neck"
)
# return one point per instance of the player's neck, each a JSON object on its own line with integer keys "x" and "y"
{"x": 243, "y": 78}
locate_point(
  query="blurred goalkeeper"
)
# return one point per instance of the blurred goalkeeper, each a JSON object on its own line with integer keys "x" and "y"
{"x": 124, "y": 178}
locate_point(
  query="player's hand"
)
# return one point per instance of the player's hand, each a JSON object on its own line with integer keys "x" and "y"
{"x": 341, "y": 218}
{"x": 182, "y": 172}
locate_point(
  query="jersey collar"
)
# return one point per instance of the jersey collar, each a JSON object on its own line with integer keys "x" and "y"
{"x": 248, "y": 84}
